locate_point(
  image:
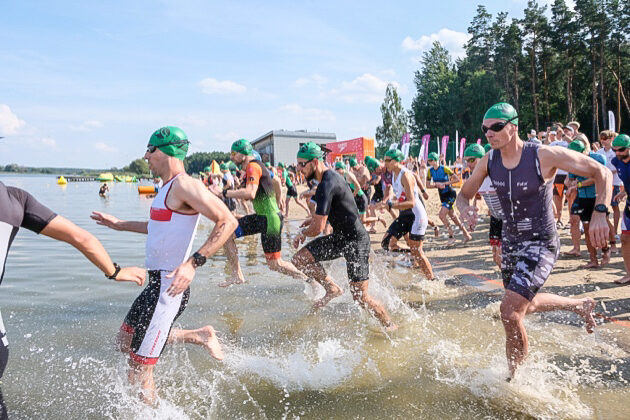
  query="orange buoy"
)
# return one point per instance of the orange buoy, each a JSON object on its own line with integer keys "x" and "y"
{"x": 147, "y": 189}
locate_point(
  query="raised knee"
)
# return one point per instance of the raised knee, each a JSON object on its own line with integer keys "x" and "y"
{"x": 509, "y": 315}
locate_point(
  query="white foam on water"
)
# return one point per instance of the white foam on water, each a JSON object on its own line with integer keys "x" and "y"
{"x": 327, "y": 366}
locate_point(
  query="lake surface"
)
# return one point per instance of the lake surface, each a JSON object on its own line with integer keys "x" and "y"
{"x": 283, "y": 360}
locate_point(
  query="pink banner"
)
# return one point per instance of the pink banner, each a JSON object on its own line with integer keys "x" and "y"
{"x": 425, "y": 142}
{"x": 462, "y": 145}
{"x": 406, "y": 138}
{"x": 444, "y": 145}
{"x": 478, "y": 141}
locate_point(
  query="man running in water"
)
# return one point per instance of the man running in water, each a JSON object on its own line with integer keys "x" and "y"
{"x": 522, "y": 174}
{"x": 472, "y": 154}
{"x": 349, "y": 239}
{"x": 174, "y": 214}
{"x": 621, "y": 146}
{"x": 360, "y": 198}
{"x": 19, "y": 209}
{"x": 267, "y": 219}
{"x": 287, "y": 178}
{"x": 412, "y": 218}
{"x": 442, "y": 178}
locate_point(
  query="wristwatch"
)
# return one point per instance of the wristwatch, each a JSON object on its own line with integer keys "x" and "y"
{"x": 389, "y": 204}
{"x": 116, "y": 271}
{"x": 198, "y": 260}
{"x": 601, "y": 208}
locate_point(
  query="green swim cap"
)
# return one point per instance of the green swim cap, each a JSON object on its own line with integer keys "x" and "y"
{"x": 371, "y": 163}
{"x": 395, "y": 154}
{"x": 577, "y": 146}
{"x": 353, "y": 162}
{"x": 267, "y": 165}
{"x": 502, "y": 111}
{"x": 280, "y": 165}
{"x": 340, "y": 165}
{"x": 172, "y": 141}
{"x": 207, "y": 169}
{"x": 223, "y": 167}
{"x": 243, "y": 147}
{"x": 474, "y": 150}
{"x": 622, "y": 140}
{"x": 310, "y": 151}
{"x": 487, "y": 147}
{"x": 433, "y": 156}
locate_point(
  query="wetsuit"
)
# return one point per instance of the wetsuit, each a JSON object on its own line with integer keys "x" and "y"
{"x": 447, "y": 194}
{"x": 291, "y": 191}
{"x": 623, "y": 170}
{"x": 349, "y": 238}
{"x": 17, "y": 209}
{"x": 413, "y": 221}
{"x": 360, "y": 199}
{"x": 169, "y": 240}
{"x": 585, "y": 202}
{"x": 267, "y": 219}
{"x": 377, "y": 197}
{"x": 489, "y": 194}
{"x": 530, "y": 242}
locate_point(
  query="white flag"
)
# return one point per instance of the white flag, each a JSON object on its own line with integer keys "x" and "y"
{"x": 611, "y": 121}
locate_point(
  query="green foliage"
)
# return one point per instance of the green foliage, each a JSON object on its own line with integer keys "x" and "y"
{"x": 199, "y": 160}
{"x": 394, "y": 121}
{"x": 139, "y": 166}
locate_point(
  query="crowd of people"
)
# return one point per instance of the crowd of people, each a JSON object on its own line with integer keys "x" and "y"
{"x": 525, "y": 185}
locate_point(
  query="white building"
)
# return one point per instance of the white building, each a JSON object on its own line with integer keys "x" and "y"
{"x": 282, "y": 146}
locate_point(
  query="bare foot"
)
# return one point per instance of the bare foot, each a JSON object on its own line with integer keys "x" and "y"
{"x": 232, "y": 280}
{"x": 467, "y": 238}
{"x": 572, "y": 253}
{"x": 586, "y": 312}
{"x": 436, "y": 231}
{"x": 623, "y": 280}
{"x": 209, "y": 340}
{"x": 605, "y": 257}
{"x": 451, "y": 242}
{"x": 592, "y": 264}
{"x": 331, "y": 293}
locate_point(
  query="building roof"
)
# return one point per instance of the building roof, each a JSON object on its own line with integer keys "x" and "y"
{"x": 316, "y": 136}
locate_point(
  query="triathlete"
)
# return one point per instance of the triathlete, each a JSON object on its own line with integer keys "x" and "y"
{"x": 621, "y": 146}
{"x": 103, "y": 190}
{"x": 19, "y": 209}
{"x": 442, "y": 178}
{"x": 606, "y": 138}
{"x": 473, "y": 154}
{"x": 267, "y": 219}
{"x": 349, "y": 239}
{"x": 558, "y": 183}
{"x": 360, "y": 198}
{"x": 412, "y": 218}
{"x": 287, "y": 178}
{"x": 174, "y": 214}
{"x": 522, "y": 174}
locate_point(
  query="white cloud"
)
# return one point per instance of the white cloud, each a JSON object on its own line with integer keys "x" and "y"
{"x": 212, "y": 86}
{"x": 49, "y": 141}
{"x": 87, "y": 126}
{"x": 9, "y": 122}
{"x": 366, "y": 88}
{"x": 102, "y": 147}
{"x": 314, "y": 79}
{"x": 308, "y": 114}
{"x": 453, "y": 41}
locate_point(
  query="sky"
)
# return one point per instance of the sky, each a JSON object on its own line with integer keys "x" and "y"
{"x": 85, "y": 83}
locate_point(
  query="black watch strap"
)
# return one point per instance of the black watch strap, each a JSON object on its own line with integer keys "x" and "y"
{"x": 116, "y": 271}
{"x": 198, "y": 260}
{"x": 602, "y": 208}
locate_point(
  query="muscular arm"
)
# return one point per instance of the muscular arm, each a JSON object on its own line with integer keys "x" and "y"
{"x": 317, "y": 225}
{"x": 247, "y": 193}
{"x": 113, "y": 222}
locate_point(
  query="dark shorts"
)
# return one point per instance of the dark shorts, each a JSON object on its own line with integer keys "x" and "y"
{"x": 496, "y": 227}
{"x": 625, "y": 220}
{"x": 362, "y": 203}
{"x": 156, "y": 309}
{"x": 291, "y": 191}
{"x": 558, "y": 184}
{"x": 4, "y": 348}
{"x": 616, "y": 191}
{"x": 525, "y": 266}
{"x": 356, "y": 252}
{"x": 368, "y": 193}
{"x": 404, "y": 224}
{"x": 377, "y": 197}
{"x": 583, "y": 207}
{"x": 269, "y": 227}
{"x": 448, "y": 198}
{"x": 230, "y": 203}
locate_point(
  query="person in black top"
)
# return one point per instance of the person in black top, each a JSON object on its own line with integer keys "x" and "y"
{"x": 335, "y": 204}
{"x": 19, "y": 209}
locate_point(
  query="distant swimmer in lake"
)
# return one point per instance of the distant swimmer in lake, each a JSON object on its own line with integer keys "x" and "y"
{"x": 19, "y": 209}
{"x": 103, "y": 190}
{"x": 170, "y": 231}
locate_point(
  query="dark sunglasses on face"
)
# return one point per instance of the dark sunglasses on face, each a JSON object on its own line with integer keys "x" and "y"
{"x": 496, "y": 127}
{"x": 152, "y": 148}
{"x": 303, "y": 164}
{"x": 620, "y": 149}
{"x": 387, "y": 160}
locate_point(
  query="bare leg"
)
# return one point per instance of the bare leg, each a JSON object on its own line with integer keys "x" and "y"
{"x": 545, "y": 302}
{"x": 360, "y": 295}
{"x": 458, "y": 222}
{"x": 513, "y": 308}
{"x": 143, "y": 375}
{"x": 232, "y": 255}
{"x": 443, "y": 217}
{"x": 305, "y": 262}
{"x": 299, "y": 203}
{"x": 205, "y": 336}
{"x": 496, "y": 255}
{"x": 286, "y": 206}
{"x": 420, "y": 259}
{"x": 625, "y": 252}
{"x": 616, "y": 217}
{"x": 576, "y": 236}
{"x": 286, "y": 267}
{"x": 592, "y": 252}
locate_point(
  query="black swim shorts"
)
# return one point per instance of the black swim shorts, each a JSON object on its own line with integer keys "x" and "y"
{"x": 356, "y": 252}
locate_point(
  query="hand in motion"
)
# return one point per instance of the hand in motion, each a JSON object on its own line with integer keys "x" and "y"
{"x": 619, "y": 196}
{"x": 299, "y": 239}
{"x": 469, "y": 215}
{"x": 132, "y": 274}
{"x": 105, "y": 220}
{"x": 425, "y": 195}
{"x": 598, "y": 230}
{"x": 182, "y": 277}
